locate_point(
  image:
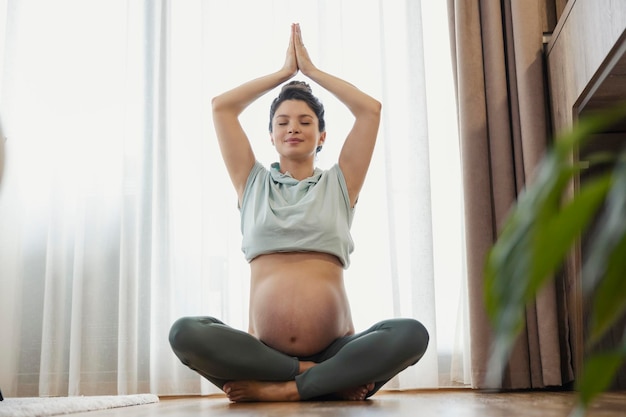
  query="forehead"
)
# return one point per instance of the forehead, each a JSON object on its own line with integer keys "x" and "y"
{"x": 294, "y": 108}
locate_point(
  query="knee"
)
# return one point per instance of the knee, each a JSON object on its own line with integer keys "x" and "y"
{"x": 412, "y": 338}
{"x": 181, "y": 332}
{"x": 189, "y": 333}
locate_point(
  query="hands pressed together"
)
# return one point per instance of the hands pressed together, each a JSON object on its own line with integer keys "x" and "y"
{"x": 297, "y": 58}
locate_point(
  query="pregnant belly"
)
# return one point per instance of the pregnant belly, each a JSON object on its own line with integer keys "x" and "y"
{"x": 299, "y": 314}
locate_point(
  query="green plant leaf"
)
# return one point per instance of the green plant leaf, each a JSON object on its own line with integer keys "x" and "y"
{"x": 510, "y": 273}
{"x": 610, "y": 229}
{"x": 604, "y": 273}
{"x": 538, "y": 235}
{"x": 534, "y": 242}
{"x": 587, "y": 126}
{"x": 529, "y": 257}
{"x": 509, "y": 266}
{"x": 610, "y": 298}
{"x": 556, "y": 234}
{"x": 599, "y": 372}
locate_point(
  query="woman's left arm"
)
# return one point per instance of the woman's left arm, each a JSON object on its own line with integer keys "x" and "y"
{"x": 358, "y": 148}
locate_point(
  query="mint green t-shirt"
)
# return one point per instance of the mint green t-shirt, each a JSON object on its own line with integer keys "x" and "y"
{"x": 282, "y": 214}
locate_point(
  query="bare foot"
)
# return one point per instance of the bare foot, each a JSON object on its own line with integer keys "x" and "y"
{"x": 247, "y": 391}
{"x": 304, "y": 365}
{"x": 355, "y": 394}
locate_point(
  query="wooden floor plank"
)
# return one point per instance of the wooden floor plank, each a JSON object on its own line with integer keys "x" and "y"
{"x": 428, "y": 403}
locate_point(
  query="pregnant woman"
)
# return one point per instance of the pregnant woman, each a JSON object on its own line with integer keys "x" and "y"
{"x": 295, "y": 218}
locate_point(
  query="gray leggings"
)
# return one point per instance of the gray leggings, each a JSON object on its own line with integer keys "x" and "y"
{"x": 221, "y": 354}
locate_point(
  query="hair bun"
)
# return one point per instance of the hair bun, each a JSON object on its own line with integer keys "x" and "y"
{"x": 297, "y": 85}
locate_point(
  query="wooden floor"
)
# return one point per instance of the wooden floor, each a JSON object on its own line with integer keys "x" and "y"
{"x": 431, "y": 403}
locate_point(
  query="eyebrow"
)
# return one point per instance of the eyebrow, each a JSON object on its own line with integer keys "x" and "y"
{"x": 300, "y": 115}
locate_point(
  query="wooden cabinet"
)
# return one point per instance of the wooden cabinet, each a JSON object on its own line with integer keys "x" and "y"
{"x": 586, "y": 66}
{"x": 586, "y": 58}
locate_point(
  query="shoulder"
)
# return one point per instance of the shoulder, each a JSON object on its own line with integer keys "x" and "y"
{"x": 334, "y": 178}
{"x": 257, "y": 175}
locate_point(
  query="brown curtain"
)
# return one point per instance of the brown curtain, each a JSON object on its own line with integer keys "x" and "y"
{"x": 504, "y": 128}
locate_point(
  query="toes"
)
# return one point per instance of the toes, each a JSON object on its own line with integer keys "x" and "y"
{"x": 359, "y": 395}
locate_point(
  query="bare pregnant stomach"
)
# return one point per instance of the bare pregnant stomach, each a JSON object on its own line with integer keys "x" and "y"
{"x": 298, "y": 302}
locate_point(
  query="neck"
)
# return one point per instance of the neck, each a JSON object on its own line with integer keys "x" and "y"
{"x": 298, "y": 169}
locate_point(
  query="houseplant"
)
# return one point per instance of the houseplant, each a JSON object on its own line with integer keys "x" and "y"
{"x": 540, "y": 232}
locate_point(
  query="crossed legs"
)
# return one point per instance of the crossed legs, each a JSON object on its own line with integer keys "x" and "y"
{"x": 352, "y": 367}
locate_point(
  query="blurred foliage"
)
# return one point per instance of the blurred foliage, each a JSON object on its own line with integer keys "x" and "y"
{"x": 540, "y": 232}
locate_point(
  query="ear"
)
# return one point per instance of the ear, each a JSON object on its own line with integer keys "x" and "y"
{"x": 272, "y": 138}
{"x": 322, "y": 138}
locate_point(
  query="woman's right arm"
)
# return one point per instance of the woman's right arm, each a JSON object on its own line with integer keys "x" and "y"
{"x": 234, "y": 144}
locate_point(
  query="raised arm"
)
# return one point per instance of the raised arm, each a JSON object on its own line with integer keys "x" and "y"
{"x": 358, "y": 147}
{"x": 234, "y": 144}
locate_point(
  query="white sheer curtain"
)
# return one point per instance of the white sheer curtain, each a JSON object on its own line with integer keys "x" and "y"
{"x": 116, "y": 214}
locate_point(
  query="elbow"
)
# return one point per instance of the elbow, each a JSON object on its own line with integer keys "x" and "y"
{"x": 224, "y": 105}
{"x": 377, "y": 107}
{"x": 368, "y": 108}
{"x": 217, "y": 103}
{"x": 374, "y": 109}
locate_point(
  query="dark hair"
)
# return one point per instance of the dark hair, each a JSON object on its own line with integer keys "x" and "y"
{"x": 299, "y": 90}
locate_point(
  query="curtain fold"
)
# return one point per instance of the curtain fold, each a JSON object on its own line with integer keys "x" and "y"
{"x": 116, "y": 212}
{"x": 503, "y": 129}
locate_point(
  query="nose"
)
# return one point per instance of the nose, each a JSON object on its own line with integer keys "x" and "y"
{"x": 294, "y": 129}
